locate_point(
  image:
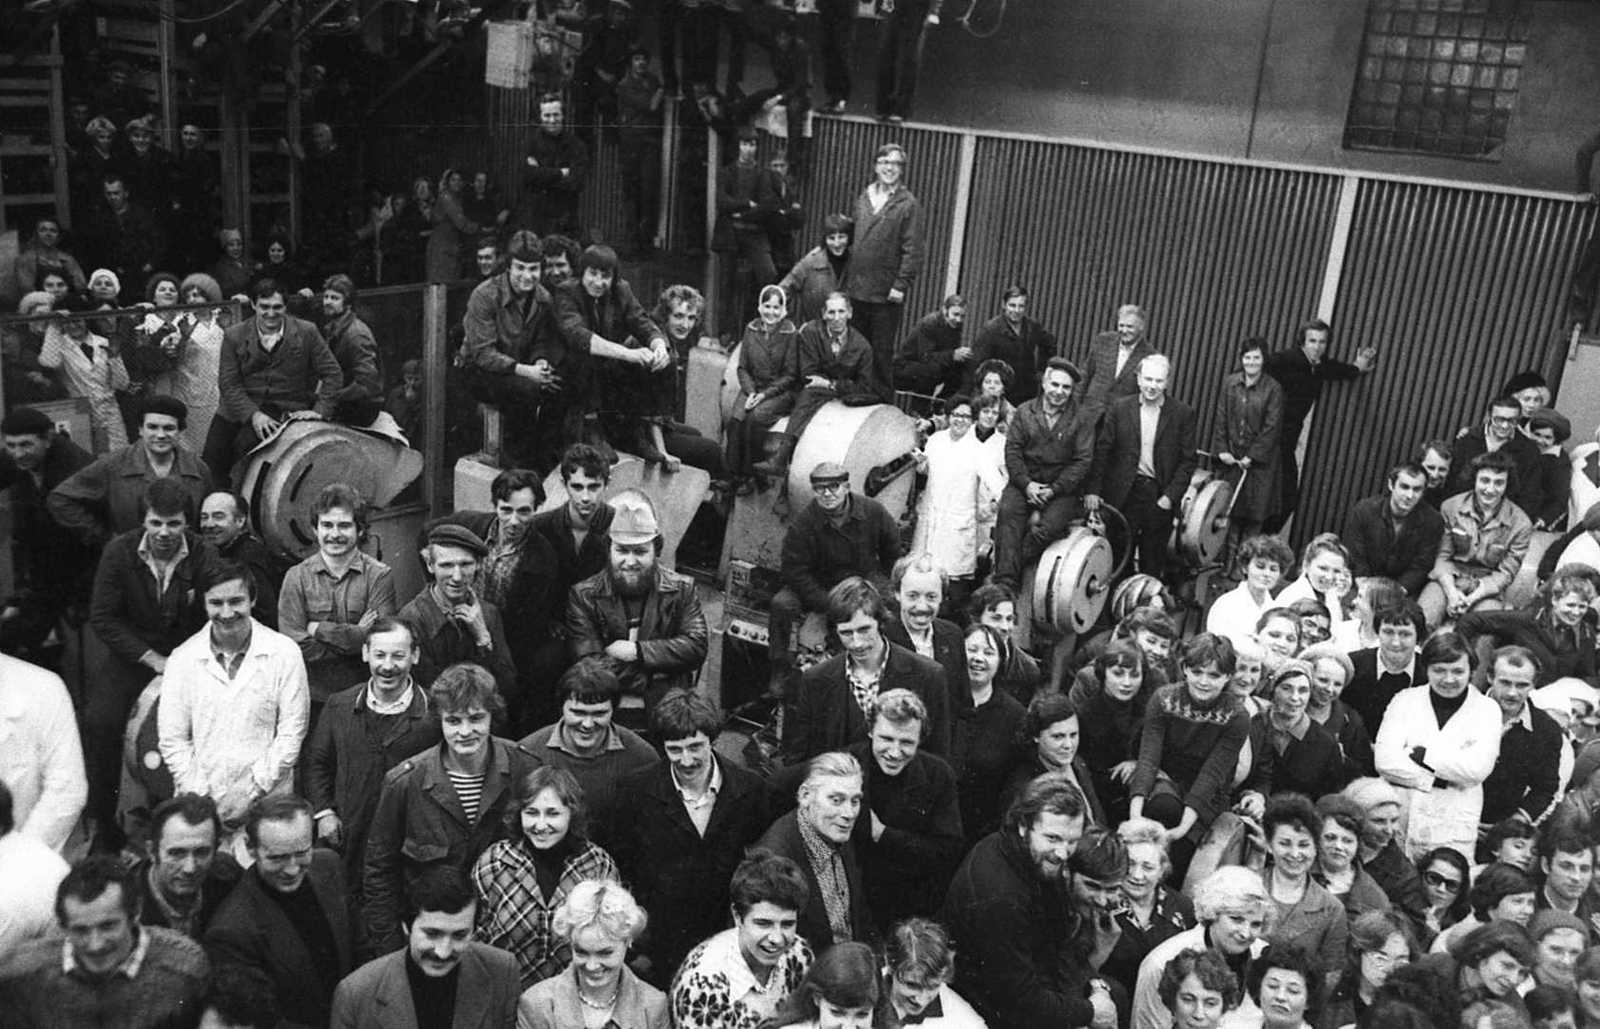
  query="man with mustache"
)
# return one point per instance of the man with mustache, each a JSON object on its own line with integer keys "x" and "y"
{"x": 442, "y": 976}
{"x": 643, "y": 619}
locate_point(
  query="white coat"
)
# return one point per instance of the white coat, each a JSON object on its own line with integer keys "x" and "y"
{"x": 961, "y": 473}
{"x": 1462, "y": 752}
{"x": 989, "y": 490}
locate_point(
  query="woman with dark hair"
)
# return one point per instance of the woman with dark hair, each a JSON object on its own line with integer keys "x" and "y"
{"x": 1198, "y": 987}
{"x": 1290, "y": 752}
{"x": 994, "y": 378}
{"x": 1445, "y": 879}
{"x": 1249, "y": 424}
{"x": 280, "y": 266}
{"x": 1488, "y": 964}
{"x": 840, "y": 991}
{"x": 524, "y": 879}
{"x": 1309, "y": 917}
{"x": 766, "y": 372}
{"x": 995, "y": 605}
{"x": 821, "y": 271}
{"x": 1286, "y": 985}
{"x": 1380, "y": 943}
{"x": 1551, "y": 1007}
{"x": 1112, "y": 694}
{"x": 984, "y": 727}
{"x": 156, "y": 343}
{"x": 1339, "y": 857}
{"x": 1261, "y": 563}
{"x": 1414, "y": 998}
{"x": 1189, "y": 747}
{"x": 1050, "y": 734}
{"x": 1500, "y": 893}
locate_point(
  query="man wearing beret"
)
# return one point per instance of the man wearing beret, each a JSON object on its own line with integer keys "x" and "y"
{"x": 102, "y": 499}
{"x": 452, "y": 622}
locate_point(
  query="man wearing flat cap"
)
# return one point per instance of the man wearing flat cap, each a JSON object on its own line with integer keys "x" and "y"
{"x": 839, "y": 534}
{"x": 645, "y": 620}
{"x": 451, "y": 621}
{"x": 101, "y": 500}
{"x": 1049, "y": 449}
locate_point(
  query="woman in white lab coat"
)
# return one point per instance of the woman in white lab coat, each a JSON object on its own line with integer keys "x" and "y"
{"x": 961, "y": 473}
{"x": 1437, "y": 745}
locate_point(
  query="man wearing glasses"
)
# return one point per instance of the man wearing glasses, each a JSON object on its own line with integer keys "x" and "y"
{"x": 886, "y": 254}
{"x": 1499, "y": 435}
{"x": 838, "y": 535}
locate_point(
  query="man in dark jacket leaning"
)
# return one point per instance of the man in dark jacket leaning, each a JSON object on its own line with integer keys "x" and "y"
{"x": 839, "y": 534}
{"x": 1049, "y": 450}
{"x": 1012, "y": 918}
{"x": 645, "y": 620}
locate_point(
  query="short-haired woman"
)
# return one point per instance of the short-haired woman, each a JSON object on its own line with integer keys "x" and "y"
{"x": 597, "y": 922}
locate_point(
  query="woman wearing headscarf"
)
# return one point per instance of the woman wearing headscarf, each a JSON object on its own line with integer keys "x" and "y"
{"x": 450, "y": 226}
{"x": 766, "y": 384}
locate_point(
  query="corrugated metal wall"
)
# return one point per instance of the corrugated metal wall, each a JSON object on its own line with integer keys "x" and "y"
{"x": 1214, "y": 252}
{"x": 1458, "y": 289}
{"x": 842, "y": 162}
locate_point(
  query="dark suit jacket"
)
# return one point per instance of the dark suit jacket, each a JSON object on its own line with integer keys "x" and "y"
{"x": 125, "y": 610}
{"x": 1527, "y": 775}
{"x": 574, "y": 564}
{"x": 827, "y": 716}
{"x": 1377, "y": 549}
{"x": 783, "y": 839}
{"x": 1116, "y": 451}
{"x": 679, "y": 876}
{"x": 1101, "y": 384}
{"x": 378, "y": 994}
{"x": 1365, "y": 697}
{"x": 300, "y": 372}
{"x": 251, "y": 929}
{"x": 949, "y": 649}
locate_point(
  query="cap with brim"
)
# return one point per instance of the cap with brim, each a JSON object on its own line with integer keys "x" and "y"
{"x": 829, "y": 472}
{"x": 451, "y": 535}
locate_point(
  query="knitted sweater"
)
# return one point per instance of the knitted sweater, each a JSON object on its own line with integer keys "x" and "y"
{"x": 166, "y": 992}
{"x": 1196, "y": 746}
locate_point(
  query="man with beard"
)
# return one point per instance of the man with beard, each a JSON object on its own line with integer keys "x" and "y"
{"x": 182, "y": 883}
{"x": 225, "y": 524}
{"x": 49, "y": 567}
{"x": 359, "y": 396}
{"x": 452, "y": 622}
{"x": 443, "y": 977}
{"x": 817, "y": 838}
{"x": 1011, "y": 910}
{"x": 145, "y": 603}
{"x": 234, "y": 702}
{"x": 644, "y": 620}
{"x": 363, "y": 732}
{"x": 288, "y": 917}
{"x": 1395, "y": 536}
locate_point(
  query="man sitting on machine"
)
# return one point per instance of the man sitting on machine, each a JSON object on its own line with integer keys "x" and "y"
{"x": 1049, "y": 449}
{"x": 838, "y": 535}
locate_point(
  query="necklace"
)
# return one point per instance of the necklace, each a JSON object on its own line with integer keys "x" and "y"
{"x": 597, "y": 1005}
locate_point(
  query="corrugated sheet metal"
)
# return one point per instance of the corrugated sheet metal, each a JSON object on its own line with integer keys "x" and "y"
{"x": 1458, "y": 290}
{"x": 1215, "y": 253}
{"x": 842, "y": 161}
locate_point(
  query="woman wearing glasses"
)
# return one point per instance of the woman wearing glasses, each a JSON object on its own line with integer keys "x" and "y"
{"x": 960, "y": 475}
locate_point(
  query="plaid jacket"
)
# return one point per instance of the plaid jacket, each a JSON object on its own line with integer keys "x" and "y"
{"x": 515, "y": 916}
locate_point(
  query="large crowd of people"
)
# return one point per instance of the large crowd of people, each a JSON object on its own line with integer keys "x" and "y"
{"x": 1351, "y": 787}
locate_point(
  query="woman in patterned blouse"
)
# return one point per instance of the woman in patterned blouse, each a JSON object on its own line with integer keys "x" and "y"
{"x": 523, "y": 880}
